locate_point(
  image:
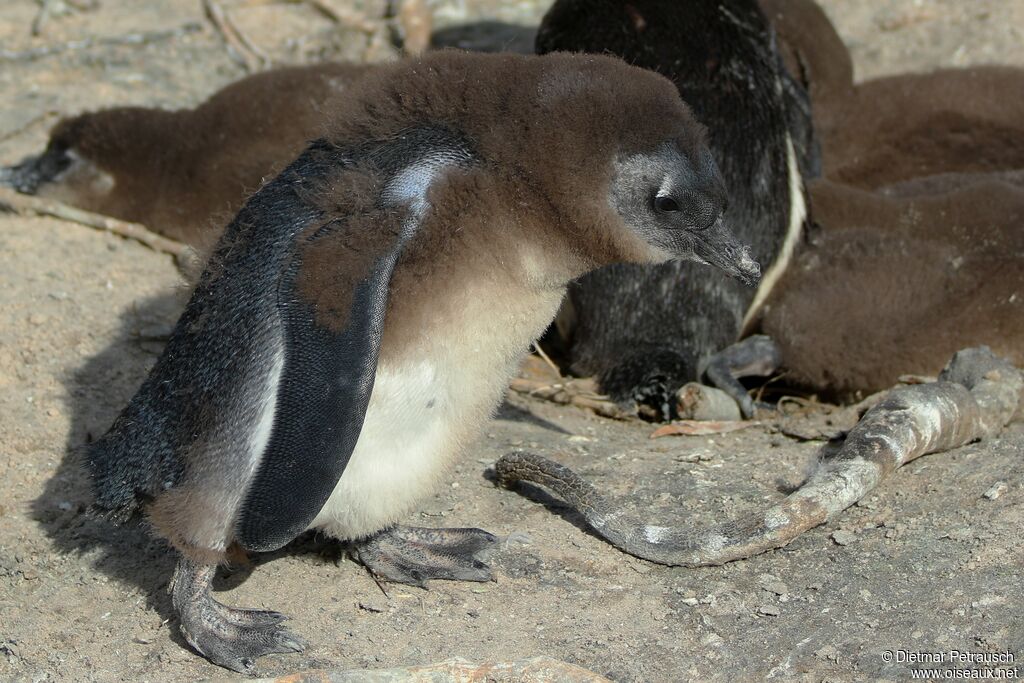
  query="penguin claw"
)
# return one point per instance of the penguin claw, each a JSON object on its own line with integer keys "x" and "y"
{"x": 236, "y": 647}
{"x": 227, "y": 636}
{"x": 414, "y": 555}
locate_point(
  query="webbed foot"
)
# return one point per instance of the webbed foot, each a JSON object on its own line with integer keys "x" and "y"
{"x": 230, "y": 637}
{"x": 649, "y": 379}
{"x": 756, "y": 355}
{"x": 413, "y": 555}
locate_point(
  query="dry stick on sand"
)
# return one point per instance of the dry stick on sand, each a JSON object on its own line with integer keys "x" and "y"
{"x": 976, "y": 395}
{"x": 25, "y": 204}
{"x": 236, "y": 47}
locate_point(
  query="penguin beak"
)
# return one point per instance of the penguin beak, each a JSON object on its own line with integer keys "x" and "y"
{"x": 717, "y": 246}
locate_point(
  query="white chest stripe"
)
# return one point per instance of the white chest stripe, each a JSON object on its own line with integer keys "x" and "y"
{"x": 797, "y": 216}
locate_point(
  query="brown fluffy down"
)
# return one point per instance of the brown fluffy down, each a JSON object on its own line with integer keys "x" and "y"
{"x": 895, "y": 284}
{"x": 545, "y": 130}
{"x": 918, "y": 249}
{"x": 902, "y": 127}
{"x": 185, "y": 173}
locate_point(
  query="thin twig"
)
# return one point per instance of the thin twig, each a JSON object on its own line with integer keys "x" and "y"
{"x": 237, "y": 50}
{"x": 263, "y": 57}
{"x": 26, "y": 204}
{"x": 547, "y": 359}
{"x": 344, "y": 15}
{"x": 127, "y": 39}
{"x": 49, "y": 113}
{"x": 45, "y": 9}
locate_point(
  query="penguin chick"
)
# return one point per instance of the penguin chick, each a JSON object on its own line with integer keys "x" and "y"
{"x": 892, "y": 129}
{"x": 184, "y": 173}
{"x": 359, "y": 319}
{"x": 912, "y": 125}
{"x": 898, "y": 280}
{"x": 645, "y": 330}
{"x": 814, "y": 54}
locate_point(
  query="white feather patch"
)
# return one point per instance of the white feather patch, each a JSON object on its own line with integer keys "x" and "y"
{"x": 797, "y": 216}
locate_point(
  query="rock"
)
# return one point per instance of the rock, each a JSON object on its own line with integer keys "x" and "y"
{"x": 997, "y": 489}
{"x": 843, "y": 537}
{"x": 696, "y": 401}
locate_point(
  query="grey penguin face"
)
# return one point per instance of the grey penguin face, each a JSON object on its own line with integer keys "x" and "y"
{"x": 676, "y": 205}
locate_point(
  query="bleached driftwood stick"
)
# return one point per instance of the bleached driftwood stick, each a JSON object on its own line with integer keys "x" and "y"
{"x": 27, "y": 204}
{"x": 976, "y": 395}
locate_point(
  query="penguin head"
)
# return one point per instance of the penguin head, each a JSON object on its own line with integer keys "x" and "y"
{"x": 606, "y": 155}
{"x": 674, "y": 198}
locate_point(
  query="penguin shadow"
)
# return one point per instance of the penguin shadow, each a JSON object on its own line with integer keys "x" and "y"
{"x": 95, "y": 393}
{"x": 513, "y": 413}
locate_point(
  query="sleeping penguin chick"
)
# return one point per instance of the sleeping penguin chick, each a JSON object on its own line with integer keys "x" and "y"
{"x": 360, "y": 317}
{"x": 175, "y": 171}
{"x": 645, "y": 330}
{"x": 898, "y": 279}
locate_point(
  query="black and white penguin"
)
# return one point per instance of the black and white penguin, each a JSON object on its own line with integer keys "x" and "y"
{"x": 359, "y": 319}
{"x": 184, "y": 173}
{"x": 917, "y": 249}
{"x": 646, "y": 330}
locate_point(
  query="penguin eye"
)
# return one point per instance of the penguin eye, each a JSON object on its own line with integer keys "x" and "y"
{"x": 665, "y": 204}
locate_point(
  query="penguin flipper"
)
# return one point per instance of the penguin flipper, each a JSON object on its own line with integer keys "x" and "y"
{"x": 331, "y": 347}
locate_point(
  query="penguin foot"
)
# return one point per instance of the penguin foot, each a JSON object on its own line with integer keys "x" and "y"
{"x": 647, "y": 379}
{"x": 414, "y": 555}
{"x": 227, "y": 636}
{"x": 757, "y": 355}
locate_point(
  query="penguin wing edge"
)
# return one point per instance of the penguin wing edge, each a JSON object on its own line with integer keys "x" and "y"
{"x": 332, "y": 338}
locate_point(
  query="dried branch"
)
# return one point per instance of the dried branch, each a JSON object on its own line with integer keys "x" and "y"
{"x": 976, "y": 395}
{"x": 28, "y": 205}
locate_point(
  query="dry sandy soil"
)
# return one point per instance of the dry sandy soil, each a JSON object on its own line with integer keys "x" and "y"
{"x": 926, "y": 564}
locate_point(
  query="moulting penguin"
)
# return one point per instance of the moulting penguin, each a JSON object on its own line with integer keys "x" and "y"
{"x": 316, "y": 378}
{"x": 670, "y": 319}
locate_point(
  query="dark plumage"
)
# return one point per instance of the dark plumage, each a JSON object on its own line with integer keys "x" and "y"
{"x": 899, "y": 279}
{"x": 360, "y": 317}
{"x": 917, "y": 251}
{"x": 645, "y": 330}
{"x": 185, "y": 173}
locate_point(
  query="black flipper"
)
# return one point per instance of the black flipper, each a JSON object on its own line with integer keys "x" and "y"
{"x": 328, "y": 373}
{"x": 192, "y": 422}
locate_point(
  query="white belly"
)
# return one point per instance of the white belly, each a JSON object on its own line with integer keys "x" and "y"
{"x": 427, "y": 406}
{"x": 407, "y": 443}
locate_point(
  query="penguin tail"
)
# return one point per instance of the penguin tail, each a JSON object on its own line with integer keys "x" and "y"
{"x": 127, "y": 470}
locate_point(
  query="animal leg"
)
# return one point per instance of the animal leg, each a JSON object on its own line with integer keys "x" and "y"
{"x": 230, "y": 637}
{"x": 756, "y": 355}
{"x": 413, "y": 555}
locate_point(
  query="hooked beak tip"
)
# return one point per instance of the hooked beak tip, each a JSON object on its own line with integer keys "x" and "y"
{"x": 748, "y": 270}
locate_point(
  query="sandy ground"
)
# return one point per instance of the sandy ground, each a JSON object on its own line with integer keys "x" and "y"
{"x": 926, "y": 564}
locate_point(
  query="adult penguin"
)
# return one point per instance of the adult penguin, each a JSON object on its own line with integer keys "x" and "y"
{"x": 645, "y": 330}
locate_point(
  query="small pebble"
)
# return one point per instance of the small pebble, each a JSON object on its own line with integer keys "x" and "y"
{"x": 997, "y": 489}
{"x": 769, "y": 610}
{"x": 844, "y": 537}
